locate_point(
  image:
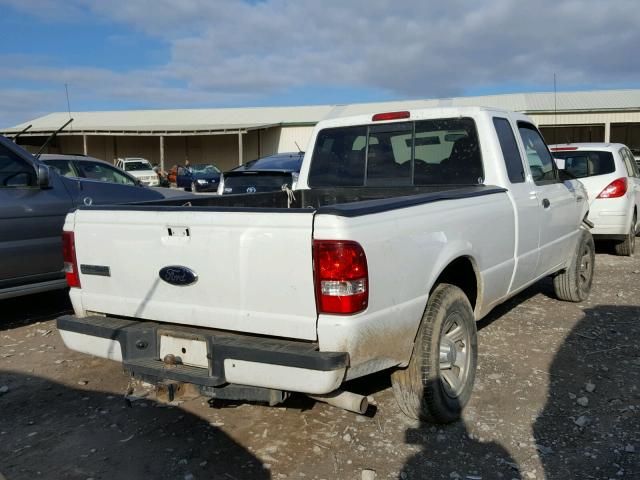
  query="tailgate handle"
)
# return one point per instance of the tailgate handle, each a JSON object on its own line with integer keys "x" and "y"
{"x": 178, "y": 231}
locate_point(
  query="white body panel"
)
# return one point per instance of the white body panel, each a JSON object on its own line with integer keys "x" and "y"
{"x": 256, "y": 269}
{"x": 282, "y": 377}
{"x": 99, "y": 347}
{"x": 406, "y": 251}
{"x": 244, "y": 262}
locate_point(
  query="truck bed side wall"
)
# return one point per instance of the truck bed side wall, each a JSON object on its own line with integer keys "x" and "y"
{"x": 421, "y": 240}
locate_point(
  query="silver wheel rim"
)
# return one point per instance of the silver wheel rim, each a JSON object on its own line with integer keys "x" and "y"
{"x": 586, "y": 265}
{"x": 454, "y": 354}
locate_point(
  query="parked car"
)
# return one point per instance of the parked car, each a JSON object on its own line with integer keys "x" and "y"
{"x": 198, "y": 177}
{"x": 266, "y": 174}
{"x": 397, "y": 239}
{"x": 34, "y": 200}
{"x": 82, "y": 166}
{"x": 141, "y": 169}
{"x": 611, "y": 177}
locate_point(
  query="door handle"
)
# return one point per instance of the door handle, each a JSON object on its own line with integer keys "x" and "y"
{"x": 579, "y": 198}
{"x": 546, "y": 203}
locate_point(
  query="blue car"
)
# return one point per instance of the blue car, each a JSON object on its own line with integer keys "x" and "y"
{"x": 198, "y": 177}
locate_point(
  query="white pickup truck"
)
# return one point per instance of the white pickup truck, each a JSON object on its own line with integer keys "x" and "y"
{"x": 405, "y": 228}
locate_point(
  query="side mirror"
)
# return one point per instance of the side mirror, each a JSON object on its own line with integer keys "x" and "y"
{"x": 560, "y": 163}
{"x": 44, "y": 176}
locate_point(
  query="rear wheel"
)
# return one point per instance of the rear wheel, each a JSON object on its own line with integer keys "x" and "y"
{"x": 574, "y": 283}
{"x": 437, "y": 383}
{"x": 628, "y": 245}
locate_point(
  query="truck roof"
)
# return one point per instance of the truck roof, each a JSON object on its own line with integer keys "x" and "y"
{"x": 420, "y": 114}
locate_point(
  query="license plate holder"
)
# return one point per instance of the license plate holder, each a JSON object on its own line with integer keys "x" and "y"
{"x": 187, "y": 351}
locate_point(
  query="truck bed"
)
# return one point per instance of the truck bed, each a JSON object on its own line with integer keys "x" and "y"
{"x": 250, "y": 255}
{"x": 346, "y": 201}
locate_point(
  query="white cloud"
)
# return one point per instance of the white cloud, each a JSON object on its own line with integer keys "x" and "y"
{"x": 230, "y": 50}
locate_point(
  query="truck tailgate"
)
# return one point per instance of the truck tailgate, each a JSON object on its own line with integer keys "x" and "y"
{"x": 254, "y": 268}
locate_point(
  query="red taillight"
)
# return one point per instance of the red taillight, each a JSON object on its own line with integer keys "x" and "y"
{"x": 70, "y": 261}
{"x": 563, "y": 149}
{"x": 378, "y": 117}
{"x": 341, "y": 276}
{"x": 615, "y": 189}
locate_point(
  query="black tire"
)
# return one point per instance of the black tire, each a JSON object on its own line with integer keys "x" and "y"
{"x": 574, "y": 283}
{"x": 628, "y": 245}
{"x": 421, "y": 389}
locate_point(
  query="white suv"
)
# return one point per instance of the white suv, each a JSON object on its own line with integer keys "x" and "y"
{"x": 141, "y": 169}
{"x": 610, "y": 175}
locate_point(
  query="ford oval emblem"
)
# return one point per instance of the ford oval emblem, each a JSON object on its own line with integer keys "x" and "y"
{"x": 177, "y": 275}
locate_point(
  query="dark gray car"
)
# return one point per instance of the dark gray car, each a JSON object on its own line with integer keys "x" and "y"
{"x": 34, "y": 200}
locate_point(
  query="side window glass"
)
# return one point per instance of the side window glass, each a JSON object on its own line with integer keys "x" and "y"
{"x": 63, "y": 167}
{"x": 510, "y": 152}
{"x": 541, "y": 163}
{"x": 634, "y": 164}
{"x": 103, "y": 173}
{"x": 117, "y": 176}
{"x": 629, "y": 162}
{"x": 14, "y": 171}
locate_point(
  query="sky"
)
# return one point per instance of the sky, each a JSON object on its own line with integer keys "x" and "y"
{"x": 147, "y": 54}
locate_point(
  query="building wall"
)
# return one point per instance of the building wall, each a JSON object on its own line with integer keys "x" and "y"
{"x": 221, "y": 150}
{"x": 292, "y": 137}
{"x": 270, "y": 141}
{"x": 584, "y": 118}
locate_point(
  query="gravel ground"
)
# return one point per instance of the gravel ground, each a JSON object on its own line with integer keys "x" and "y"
{"x": 556, "y": 396}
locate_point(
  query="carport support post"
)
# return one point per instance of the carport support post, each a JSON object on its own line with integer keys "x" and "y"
{"x": 240, "y": 154}
{"x": 607, "y": 132}
{"x": 85, "y": 150}
{"x": 162, "y": 153}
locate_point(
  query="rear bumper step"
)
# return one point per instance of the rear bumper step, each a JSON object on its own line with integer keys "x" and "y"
{"x": 230, "y": 358}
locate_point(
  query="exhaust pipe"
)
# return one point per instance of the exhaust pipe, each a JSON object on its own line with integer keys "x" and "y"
{"x": 345, "y": 400}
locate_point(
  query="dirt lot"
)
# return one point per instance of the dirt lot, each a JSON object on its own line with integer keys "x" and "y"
{"x": 557, "y": 396}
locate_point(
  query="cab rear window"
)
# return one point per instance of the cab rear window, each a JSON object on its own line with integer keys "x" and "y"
{"x": 426, "y": 152}
{"x": 582, "y": 164}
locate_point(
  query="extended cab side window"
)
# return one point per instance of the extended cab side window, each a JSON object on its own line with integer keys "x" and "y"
{"x": 14, "y": 171}
{"x": 543, "y": 169}
{"x": 510, "y": 152}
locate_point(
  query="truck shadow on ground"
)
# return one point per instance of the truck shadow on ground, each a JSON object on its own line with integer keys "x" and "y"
{"x": 590, "y": 425}
{"x": 575, "y": 438}
{"x": 29, "y": 309}
{"x": 452, "y": 452}
{"x": 53, "y": 431}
